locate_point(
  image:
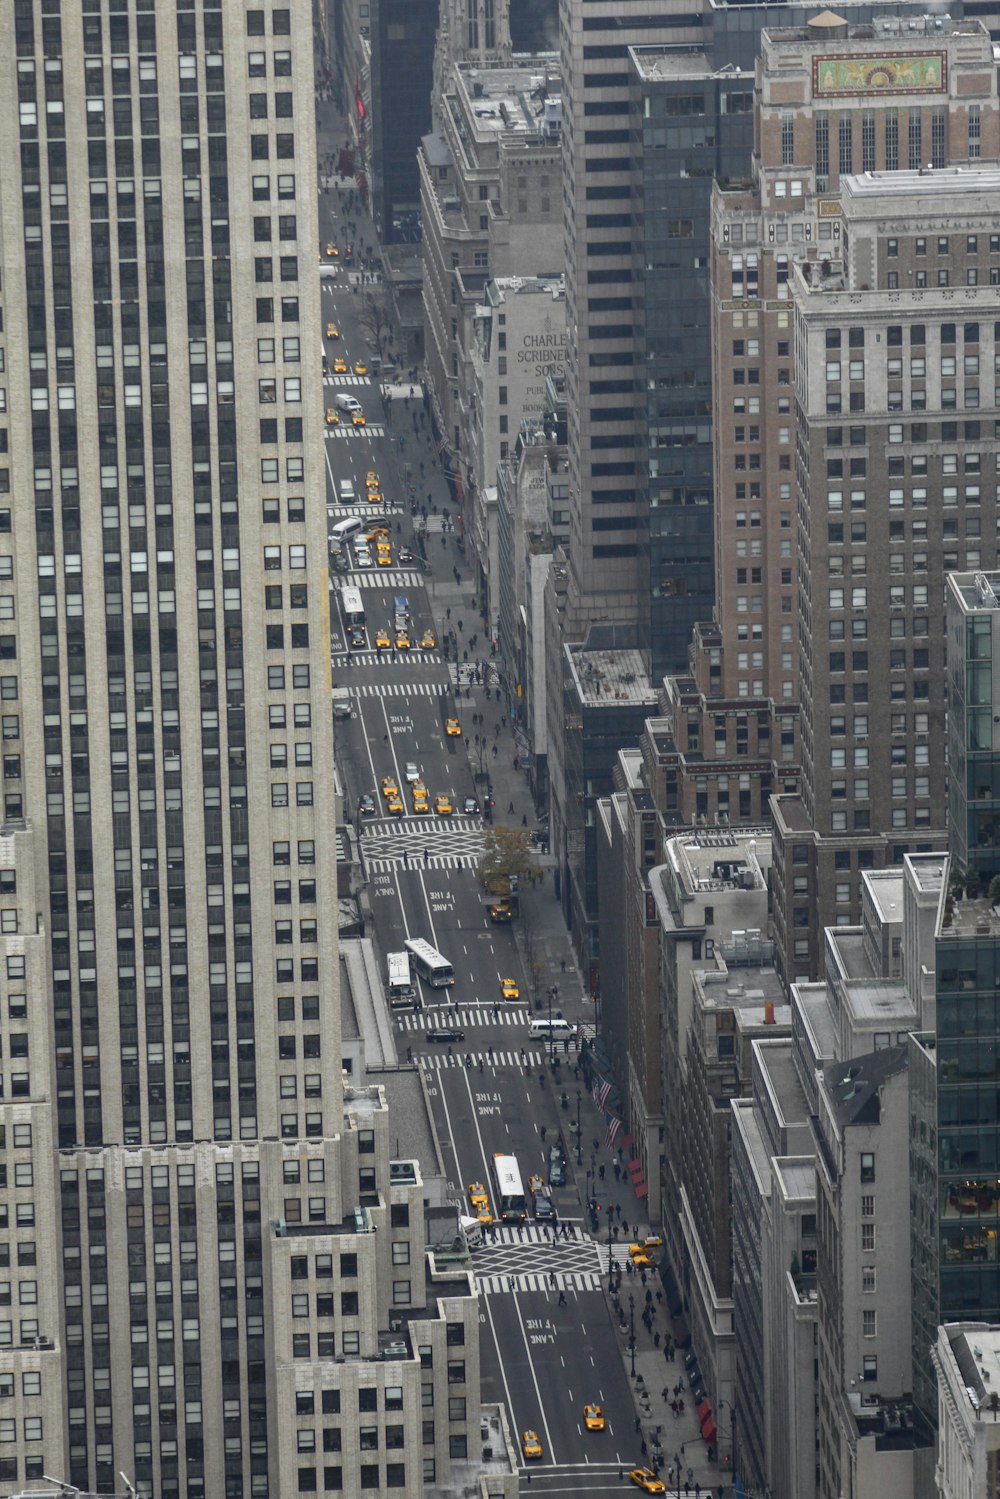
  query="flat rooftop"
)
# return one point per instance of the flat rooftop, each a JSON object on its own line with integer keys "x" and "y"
{"x": 715, "y": 860}
{"x": 967, "y": 919}
{"x": 604, "y": 678}
{"x": 746, "y": 994}
{"x": 797, "y": 1175}
{"x": 661, "y": 63}
{"x": 928, "y": 871}
{"x": 886, "y": 890}
{"x": 933, "y": 183}
{"x": 777, "y": 1064}
{"x": 979, "y": 592}
{"x": 880, "y": 1002}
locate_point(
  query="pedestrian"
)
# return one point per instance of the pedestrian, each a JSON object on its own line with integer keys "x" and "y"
{"x": 638, "y": 1425}
{"x": 673, "y": 1408}
{"x": 552, "y": 1278}
{"x": 601, "y": 1172}
{"x": 642, "y": 1447}
{"x": 618, "y": 1172}
{"x": 510, "y": 809}
{"x": 562, "y": 1298}
{"x": 656, "y": 1335}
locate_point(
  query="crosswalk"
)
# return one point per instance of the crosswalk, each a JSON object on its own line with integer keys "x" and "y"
{"x": 438, "y": 1061}
{"x": 402, "y": 827}
{"x": 399, "y": 689}
{"x": 482, "y": 1015}
{"x": 395, "y": 689}
{"x": 383, "y": 577}
{"x": 340, "y": 380}
{"x": 422, "y": 843}
{"x": 372, "y": 429}
{"x": 373, "y": 513}
{"x": 571, "y": 1280}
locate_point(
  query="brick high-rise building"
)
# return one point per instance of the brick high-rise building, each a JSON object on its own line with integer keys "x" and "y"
{"x": 195, "y": 1291}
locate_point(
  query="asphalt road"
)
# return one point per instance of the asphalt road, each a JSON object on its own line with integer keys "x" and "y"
{"x": 545, "y": 1361}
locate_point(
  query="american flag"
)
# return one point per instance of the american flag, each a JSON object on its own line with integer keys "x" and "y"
{"x": 601, "y": 1091}
{"x": 611, "y": 1134}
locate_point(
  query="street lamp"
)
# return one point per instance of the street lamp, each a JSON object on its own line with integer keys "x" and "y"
{"x": 579, "y": 1132}
{"x": 631, "y": 1329}
{"x": 610, "y": 1261}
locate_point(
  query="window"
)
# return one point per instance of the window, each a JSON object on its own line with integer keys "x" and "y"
{"x": 867, "y": 1166}
{"x": 868, "y": 1237}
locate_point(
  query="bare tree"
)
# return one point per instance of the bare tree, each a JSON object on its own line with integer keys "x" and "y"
{"x": 376, "y": 317}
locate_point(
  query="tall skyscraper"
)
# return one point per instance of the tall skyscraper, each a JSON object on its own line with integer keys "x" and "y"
{"x": 188, "y": 1199}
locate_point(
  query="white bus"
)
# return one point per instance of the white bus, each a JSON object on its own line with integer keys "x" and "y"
{"x": 508, "y": 1189}
{"x": 399, "y": 988}
{"x": 431, "y": 966}
{"x": 351, "y": 607}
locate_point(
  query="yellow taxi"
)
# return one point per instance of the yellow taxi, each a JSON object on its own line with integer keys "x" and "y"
{"x": 402, "y": 641}
{"x": 340, "y": 366}
{"x": 331, "y": 251}
{"x": 389, "y": 787}
{"x": 332, "y": 417}
{"x": 358, "y": 420}
{"x": 479, "y": 1202}
{"x": 647, "y": 1480}
{"x": 360, "y": 368}
{"x": 453, "y": 728}
{"x": 535, "y": 1184}
{"x": 531, "y": 1446}
{"x": 383, "y": 554}
{"x": 377, "y": 533}
{"x": 394, "y": 806}
{"x": 332, "y": 331}
{"x": 418, "y": 788}
{"x": 421, "y": 806}
{"x": 509, "y": 990}
{"x": 373, "y": 497}
{"x": 383, "y": 640}
{"x": 371, "y": 479}
{"x": 443, "y": 806}
{"x": 593, "y": 1418}
{"x": 427, "y": 641}
{"x": 642, "y": 1255}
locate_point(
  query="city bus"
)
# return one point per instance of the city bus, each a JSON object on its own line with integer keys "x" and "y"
{"x": 351, "y": 607}
{"x": 431, "y": 966}
{"x": 402, "y": 995}
{"x": 508, "y": 1199}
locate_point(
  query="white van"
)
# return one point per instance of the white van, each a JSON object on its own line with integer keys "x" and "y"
{"x": 557, "y": 1030}
{"x": 344, "y": 402}
{"x": 345, "y": 492}
{"x": 345, "y": 529}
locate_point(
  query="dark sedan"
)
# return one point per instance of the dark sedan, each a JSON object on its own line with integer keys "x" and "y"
{"x": 446, "y": 1034}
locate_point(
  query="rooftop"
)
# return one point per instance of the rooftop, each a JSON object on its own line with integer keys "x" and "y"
{"x": 976, "y": 1349}
{"x": 553, "y": 287}
{"x": 930, "y": 183}
{"x": 928, "y": 870}
{"x": 963, "y": 920}
{"x": 606, "y": 677}
{"x": 797, "y": 1175}
{"x": 854, "y": 1085}
{"x": 886, "y": 889}
{"x": 746, "y": 996}
{"x": 829, "y": 27}
{"x": 979, "y": 593}
{"x": 882, "y": 1002}
{"x": 512, "y": 101}
{"x": 412, "y": 1130}
{"x": 655, "y": 63}
{"x": 715, "y": 859}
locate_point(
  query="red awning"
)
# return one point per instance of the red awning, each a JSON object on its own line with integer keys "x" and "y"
{"x": 704, "y": 1409}
{"x": 635, "y": 1167}
{"x": 642, "y": 1191}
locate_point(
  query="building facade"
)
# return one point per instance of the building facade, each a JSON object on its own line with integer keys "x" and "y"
{"x": 178, "y": 1123}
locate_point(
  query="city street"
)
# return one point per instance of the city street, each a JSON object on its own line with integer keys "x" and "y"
{"x": 543, "y": 1359}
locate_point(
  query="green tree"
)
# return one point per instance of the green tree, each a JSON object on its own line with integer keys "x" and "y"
{"x": 506, "y": 855}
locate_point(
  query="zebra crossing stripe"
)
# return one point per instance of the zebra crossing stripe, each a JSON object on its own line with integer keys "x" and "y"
{"x": 400, "y": 689}
{"x": 578, "y": 1280}
{"x": 469, "y": 1018}
{"x": 442, "y": 861}
{"x": 435, "y": 1061}
{"x": 372, "y": 429}
{"x": 395, "y": 689}
{"x": 384, "y": 577}
{"x": 341, "y": 380}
